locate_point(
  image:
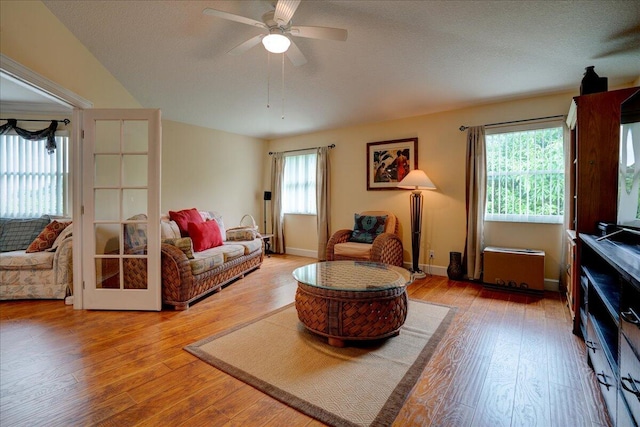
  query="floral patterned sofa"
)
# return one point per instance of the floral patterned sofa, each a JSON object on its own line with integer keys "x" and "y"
{"x": 189, "y": 275}
{"x": 35, "y": 258}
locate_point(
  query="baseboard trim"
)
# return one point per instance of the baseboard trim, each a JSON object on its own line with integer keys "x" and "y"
{"x": 551, "y": 285}
{"x": 439, "y": 270}
{"x": 429, "y": 270}
{"x": 301, "y": 252}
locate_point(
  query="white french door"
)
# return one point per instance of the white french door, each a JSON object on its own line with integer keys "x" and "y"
{"x": 121, "y": 209}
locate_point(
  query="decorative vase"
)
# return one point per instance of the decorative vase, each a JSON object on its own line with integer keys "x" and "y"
{"x": 454, "y": 271}
{"x": 592, "y": 82}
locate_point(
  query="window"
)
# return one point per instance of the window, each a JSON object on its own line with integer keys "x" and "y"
{"x": 299, "y": 184}
{"x": 33, "y": 182}
{"x": 525, "y": 175}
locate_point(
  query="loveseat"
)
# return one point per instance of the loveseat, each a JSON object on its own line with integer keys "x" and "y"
{"x": 189, "y": 274}
{"x": 35, "y": 258}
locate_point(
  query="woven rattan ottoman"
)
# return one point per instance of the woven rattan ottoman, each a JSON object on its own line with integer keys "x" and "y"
{"x": 352, "y": 300}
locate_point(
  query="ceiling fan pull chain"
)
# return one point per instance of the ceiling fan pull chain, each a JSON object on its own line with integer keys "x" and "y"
{"x": 283, "y": 86}
{"x": 268, "y": 77}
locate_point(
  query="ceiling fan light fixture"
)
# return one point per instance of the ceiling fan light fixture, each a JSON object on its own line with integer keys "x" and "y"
{"x": 276, "y": 43}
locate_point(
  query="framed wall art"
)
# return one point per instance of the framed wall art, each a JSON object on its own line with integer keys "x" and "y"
{"x": 390, "y": 161}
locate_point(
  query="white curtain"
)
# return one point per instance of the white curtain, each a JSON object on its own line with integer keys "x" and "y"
{"x": 476, "y": 181}
{"x": 323, "y": 206}
{"x": 277, "y": 217}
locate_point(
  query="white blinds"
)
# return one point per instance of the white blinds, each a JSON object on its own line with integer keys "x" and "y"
{"x": 33, "y": 182}
{"x": 299, "y": 184}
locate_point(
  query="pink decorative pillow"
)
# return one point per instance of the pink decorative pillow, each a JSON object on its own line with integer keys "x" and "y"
{"x": 47, "y": 236}
{"x": 184, "y": 217}
{"x": 205, "y": 235}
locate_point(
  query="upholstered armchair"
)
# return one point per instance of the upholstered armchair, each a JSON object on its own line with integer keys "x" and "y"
{"x": 386, "y": 247}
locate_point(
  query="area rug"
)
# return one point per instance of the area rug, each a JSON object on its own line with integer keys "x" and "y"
{"x": 364, "y": 384}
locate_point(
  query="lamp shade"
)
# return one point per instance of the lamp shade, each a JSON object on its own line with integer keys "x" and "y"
{"x": 416, "y": 180}
{"x": 276, "y": 43}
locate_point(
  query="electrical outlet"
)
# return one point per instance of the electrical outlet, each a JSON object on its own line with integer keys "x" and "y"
{"x": 432, "y": 254}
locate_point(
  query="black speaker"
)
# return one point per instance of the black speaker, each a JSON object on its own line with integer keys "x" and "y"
{"x": 267, "y": 195}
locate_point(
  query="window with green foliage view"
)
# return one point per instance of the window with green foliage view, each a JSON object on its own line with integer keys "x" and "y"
{"x": 525, "y": 176}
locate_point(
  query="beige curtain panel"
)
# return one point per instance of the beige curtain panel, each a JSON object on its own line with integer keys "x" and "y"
{"x": 476, "y": 180}
{"x": 277, "y": 217}
{"x": 323, "y": 205}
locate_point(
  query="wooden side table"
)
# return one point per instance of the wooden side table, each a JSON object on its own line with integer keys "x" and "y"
{"x": 267, "y": 244}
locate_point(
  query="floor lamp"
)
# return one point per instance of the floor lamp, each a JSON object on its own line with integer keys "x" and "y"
{"x": 417, "y": 181}
{"x": 267, "y": 196}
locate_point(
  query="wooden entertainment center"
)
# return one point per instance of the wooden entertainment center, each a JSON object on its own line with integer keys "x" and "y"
{"x": 603, "y": 276}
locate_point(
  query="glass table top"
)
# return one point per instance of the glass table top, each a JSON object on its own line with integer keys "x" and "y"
{"x": 353, "y": 276}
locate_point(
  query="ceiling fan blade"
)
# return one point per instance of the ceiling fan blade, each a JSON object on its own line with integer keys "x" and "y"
{"x": 323, "y": 33}
{"x": 285, "y": 10}
{"x": 232, "y": 17}
{"x": 245, "y": 46}
{"x": 295, "y": 55}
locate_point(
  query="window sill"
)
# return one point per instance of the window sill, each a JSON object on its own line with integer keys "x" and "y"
{"x": 522, "y": 221}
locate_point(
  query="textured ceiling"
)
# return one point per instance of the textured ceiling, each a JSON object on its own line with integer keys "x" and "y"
{"x": 401, "y": 58}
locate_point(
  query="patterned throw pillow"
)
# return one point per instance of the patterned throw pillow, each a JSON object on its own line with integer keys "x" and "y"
{"x": 182, "y": 243}
{"x": 240, "y": 234}
{"x": 367, "y": 228}
{"x": 17, "y": 234}
{"x": 47, "y": 236}
{"x": 169, "y": 229}
{"x": 67, "y": 232}
{"x": 135, "y": 234}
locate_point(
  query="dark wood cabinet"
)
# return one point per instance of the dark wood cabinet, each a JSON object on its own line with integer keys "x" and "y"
{"x": 611, "y": 270}
{"x": 594, "y": 121}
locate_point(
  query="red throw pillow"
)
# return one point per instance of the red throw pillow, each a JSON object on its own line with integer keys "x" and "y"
{"x": 184, "y": 217}
{"x": 205, "y": 235}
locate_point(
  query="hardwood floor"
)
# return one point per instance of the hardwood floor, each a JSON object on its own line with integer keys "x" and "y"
{"x": 507, "y": 360}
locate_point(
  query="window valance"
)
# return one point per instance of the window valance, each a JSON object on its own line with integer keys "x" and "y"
{"x": 48, "y": 133}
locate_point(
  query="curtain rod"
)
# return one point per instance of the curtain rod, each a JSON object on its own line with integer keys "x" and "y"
{"x": 300, "y": 149}
{"x": 463, "y": 127}
{"x": 65, "y": 121}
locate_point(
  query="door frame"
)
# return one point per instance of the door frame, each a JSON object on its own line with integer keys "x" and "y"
{"x": 76, "y": 104}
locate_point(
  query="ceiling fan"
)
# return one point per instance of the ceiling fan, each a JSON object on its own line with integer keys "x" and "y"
{"x": 278, "y": 27}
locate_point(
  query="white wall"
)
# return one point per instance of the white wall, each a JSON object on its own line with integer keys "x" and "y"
{"x": 212, "y": 170}
{"x": 34, "y": 37}
{"x": 441, "y": 154}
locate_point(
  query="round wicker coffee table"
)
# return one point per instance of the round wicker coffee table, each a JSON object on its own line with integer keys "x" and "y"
{"x": 352, "y": 300}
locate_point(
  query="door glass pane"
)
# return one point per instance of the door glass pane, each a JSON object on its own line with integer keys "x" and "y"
{"x": 135, "y": 273}
{"x": 134, "y": 170}
{"x": 134, "y": 202}
{"x": 107, "y": 239}
{"x": 135, "y": 136}
{"x": 107, "y": 136}
{"x": 107, "y": 171}
{"x": 135, "y": 239}
{"x": 107, "y": 205}
{"x": 108, "y": 273}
